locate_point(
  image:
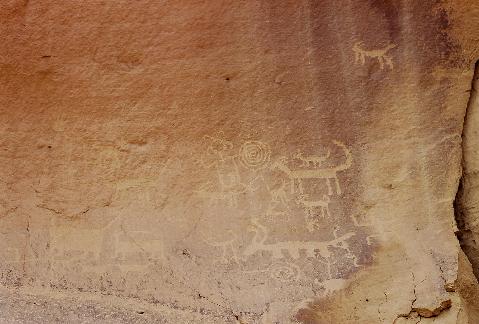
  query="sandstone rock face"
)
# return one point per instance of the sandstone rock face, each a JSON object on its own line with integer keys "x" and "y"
{"x": 238, "y": 162}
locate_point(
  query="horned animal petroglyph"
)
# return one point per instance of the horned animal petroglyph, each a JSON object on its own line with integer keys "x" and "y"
{"x": 380, "y": 54}
{"x": 328, "y": 174}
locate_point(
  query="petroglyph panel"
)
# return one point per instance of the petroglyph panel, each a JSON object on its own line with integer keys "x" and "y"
{"x": 234, "y": 161}
{"x": 301, "y": 191}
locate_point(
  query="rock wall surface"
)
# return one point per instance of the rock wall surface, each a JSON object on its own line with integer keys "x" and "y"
{"x": 238, "y": 161}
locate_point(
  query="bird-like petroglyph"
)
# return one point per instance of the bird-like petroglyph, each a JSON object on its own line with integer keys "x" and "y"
{"x": 381, "y": 55}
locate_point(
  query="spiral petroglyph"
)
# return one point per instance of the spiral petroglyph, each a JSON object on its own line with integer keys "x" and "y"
{"x": 254, "y": 154}
{"x": 284, "y": 271}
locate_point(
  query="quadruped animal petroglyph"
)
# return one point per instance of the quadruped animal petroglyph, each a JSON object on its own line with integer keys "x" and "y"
{"x": 329, "y": 174}
{"x": 292, "y": 248}
{"x": 310, "y": 206}
{"x": 381, "y": 55}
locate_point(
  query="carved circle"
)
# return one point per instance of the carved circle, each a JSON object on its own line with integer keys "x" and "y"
{"x": 254, "y": 154}
{"x": 284, "y": 271}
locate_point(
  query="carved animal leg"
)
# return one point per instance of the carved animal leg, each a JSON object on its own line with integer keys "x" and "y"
{"x": 356, "y": 57}
{"x": 274, "y": 198}
{"x": 327, "y": 210}
{"x": 282, "y": 197}
{"x": 381, "y": 62}
{"x": 338, "y": 188}
{"x": 389, "y": 61}
{"x": 300, "y": 185}
{"x": 330, "y": 189}
{"x": 309, "y": 225}
{"x": 363, "y": 58}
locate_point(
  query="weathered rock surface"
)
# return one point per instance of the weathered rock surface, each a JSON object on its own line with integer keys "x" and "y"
{"x": 238, "y": 162}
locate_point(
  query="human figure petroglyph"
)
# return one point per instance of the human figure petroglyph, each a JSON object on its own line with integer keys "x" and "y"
{"x": 312, "y": 160}
{"x": 229, "y": 179}
{"x": 329, "y": 174}
{"x": 278, "y": 205}
{"x": 293, "y": 248}
{"x": 228, "y": 185}
{"x": 218, "y": 146}
{"x": 380, "y": 54}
